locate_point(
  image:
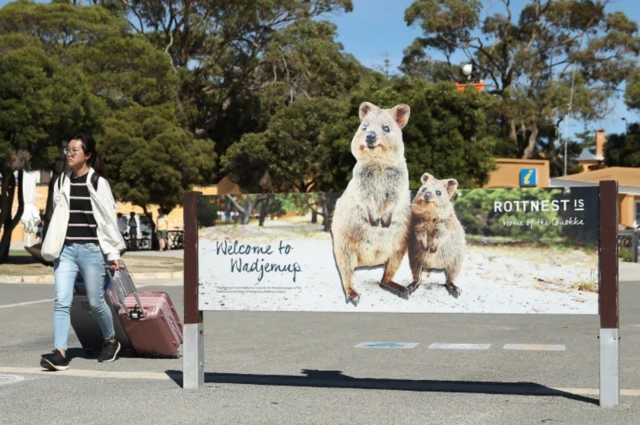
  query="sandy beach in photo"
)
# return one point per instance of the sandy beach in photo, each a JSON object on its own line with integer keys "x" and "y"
{"x": 494, "y": 279}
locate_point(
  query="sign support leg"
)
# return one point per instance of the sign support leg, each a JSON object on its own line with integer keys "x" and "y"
{"x": 608, "y": 291}
{"x": 193, "y": 348}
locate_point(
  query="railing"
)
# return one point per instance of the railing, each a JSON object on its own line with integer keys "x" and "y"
{"x": 176, "y": 239}
{"x": 629, "y": 239}
{"x": 142, "y": 244}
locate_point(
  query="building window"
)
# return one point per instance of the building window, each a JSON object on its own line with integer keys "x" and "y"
{"x": 637, "y": 222}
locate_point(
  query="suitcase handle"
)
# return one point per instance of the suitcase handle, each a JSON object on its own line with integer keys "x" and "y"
{"x": 120, "y": 297}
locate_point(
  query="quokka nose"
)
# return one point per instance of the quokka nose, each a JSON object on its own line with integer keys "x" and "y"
{"x": 371, "y": 137}
{"x": 427, "y": 196}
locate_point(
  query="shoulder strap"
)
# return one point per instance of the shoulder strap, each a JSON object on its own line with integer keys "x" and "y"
{"x": 94, "y": 180}
{"x": 60, "y": 180}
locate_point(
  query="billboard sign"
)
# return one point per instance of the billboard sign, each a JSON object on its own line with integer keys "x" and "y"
{"x": 521, "y": 250}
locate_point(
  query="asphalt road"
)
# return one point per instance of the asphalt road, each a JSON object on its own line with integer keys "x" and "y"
{"x": 304, "y": 368}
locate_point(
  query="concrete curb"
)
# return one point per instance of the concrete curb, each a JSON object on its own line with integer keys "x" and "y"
{"x": 48, "y": 278}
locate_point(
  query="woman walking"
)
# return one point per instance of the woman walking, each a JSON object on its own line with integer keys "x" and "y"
{"x": 83, "y": 231}
{"x": 162, "y": 230}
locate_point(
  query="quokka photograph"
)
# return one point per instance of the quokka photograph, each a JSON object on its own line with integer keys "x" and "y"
{"x": 447, "y": 250}
{"x": 381, "y": 245}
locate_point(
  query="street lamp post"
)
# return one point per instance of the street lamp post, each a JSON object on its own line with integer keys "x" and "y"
{"x": 467, "y": 70}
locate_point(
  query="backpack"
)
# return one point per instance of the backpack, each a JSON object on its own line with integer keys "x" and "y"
{"x": 94, "y": 180}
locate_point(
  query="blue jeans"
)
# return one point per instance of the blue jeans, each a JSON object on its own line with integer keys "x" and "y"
{"x": 87, "y": 259}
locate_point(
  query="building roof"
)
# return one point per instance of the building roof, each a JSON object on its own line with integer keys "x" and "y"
{"x": 628, "y": 179}
{"x": 589, "y": 154}
{"x": 628, "y": 176}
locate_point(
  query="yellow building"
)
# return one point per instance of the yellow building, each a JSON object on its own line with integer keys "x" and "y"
{"x": 519, "y": 173}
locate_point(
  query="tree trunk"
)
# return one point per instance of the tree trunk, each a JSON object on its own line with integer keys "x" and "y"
{"x": 513, "y": 134}
{"x": 328, "y": 206}
{"x": 8, "y": 222}
{"x": 246, "y": 211}
{"x": 264, "y": 209}
{"x": 314, "y": 216}
{"x": 531, "y": 143}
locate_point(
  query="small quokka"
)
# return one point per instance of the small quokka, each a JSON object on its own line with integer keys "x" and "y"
{"x": 437, "y": 239}
{"x": 371, "y": 218}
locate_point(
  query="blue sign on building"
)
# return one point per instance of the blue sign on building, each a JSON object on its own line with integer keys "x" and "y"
{"x": 528, "y": 177}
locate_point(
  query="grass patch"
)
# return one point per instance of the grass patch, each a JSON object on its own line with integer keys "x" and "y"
{"x": 586, "y": 286}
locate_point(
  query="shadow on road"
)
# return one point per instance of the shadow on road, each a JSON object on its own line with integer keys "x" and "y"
{"x": 335, "y": 379}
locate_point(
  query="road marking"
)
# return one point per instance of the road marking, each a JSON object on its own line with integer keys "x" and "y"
{"x": 161, "y": 376}
{"x": 442, "y": 346}
{"x": 534, "y": 347}
{"x": 10, "y": 379}
{"x": 27, "y": 303}
{"x": 387, "y": 345}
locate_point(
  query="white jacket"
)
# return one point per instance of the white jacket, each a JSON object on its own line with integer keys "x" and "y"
{"x": 104, "y": 211}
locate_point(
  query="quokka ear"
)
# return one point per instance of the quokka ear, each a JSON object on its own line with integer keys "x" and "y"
{"x": 451, "y": 185}
{"x": 365, "y": 108}
{"x": 426, "y": 177}
{"x": 400, "y": 114}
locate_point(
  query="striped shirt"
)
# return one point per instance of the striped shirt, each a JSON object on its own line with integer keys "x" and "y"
{"x": 82, "y": 224}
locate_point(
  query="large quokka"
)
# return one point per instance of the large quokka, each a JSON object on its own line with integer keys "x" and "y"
{"x": 371, "y": 218}
{"x": 437, "y": 239}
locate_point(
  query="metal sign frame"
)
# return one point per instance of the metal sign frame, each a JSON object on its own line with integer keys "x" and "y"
{"x": 609, "y": 334}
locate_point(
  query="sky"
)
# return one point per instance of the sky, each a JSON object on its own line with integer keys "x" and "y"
{"x": 376, "y": 29}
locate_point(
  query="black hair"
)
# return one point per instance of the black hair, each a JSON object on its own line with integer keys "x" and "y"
{"x": 89, "y": 147}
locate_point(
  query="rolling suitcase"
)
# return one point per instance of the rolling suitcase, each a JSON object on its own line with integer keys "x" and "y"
{"x": 149, "y": 318}
{"x": 85, "y": 323}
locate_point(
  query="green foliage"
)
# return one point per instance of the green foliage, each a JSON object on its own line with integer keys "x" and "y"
{"x": 127, "y": 71}
{"x": 447, "y": 133}
{"x": 475, "y": 210}
{"x": 241, "y": 60}
{"x": 528, "y": 60}
{"x": 625, "y": 255}
{"x": 632, "y": 91}
{"x": 151, "y": 159}
{"x": 40, "y": 103}
{"x": 623, "y": 150}
{"x": 303, "y": 61}
{"x": 61, "y": 27}
{"x": 207, "y": 212}
{"x": 288, "y": 156}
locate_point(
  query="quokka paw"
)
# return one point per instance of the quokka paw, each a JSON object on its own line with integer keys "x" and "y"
{"x": 352, "y": 296}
